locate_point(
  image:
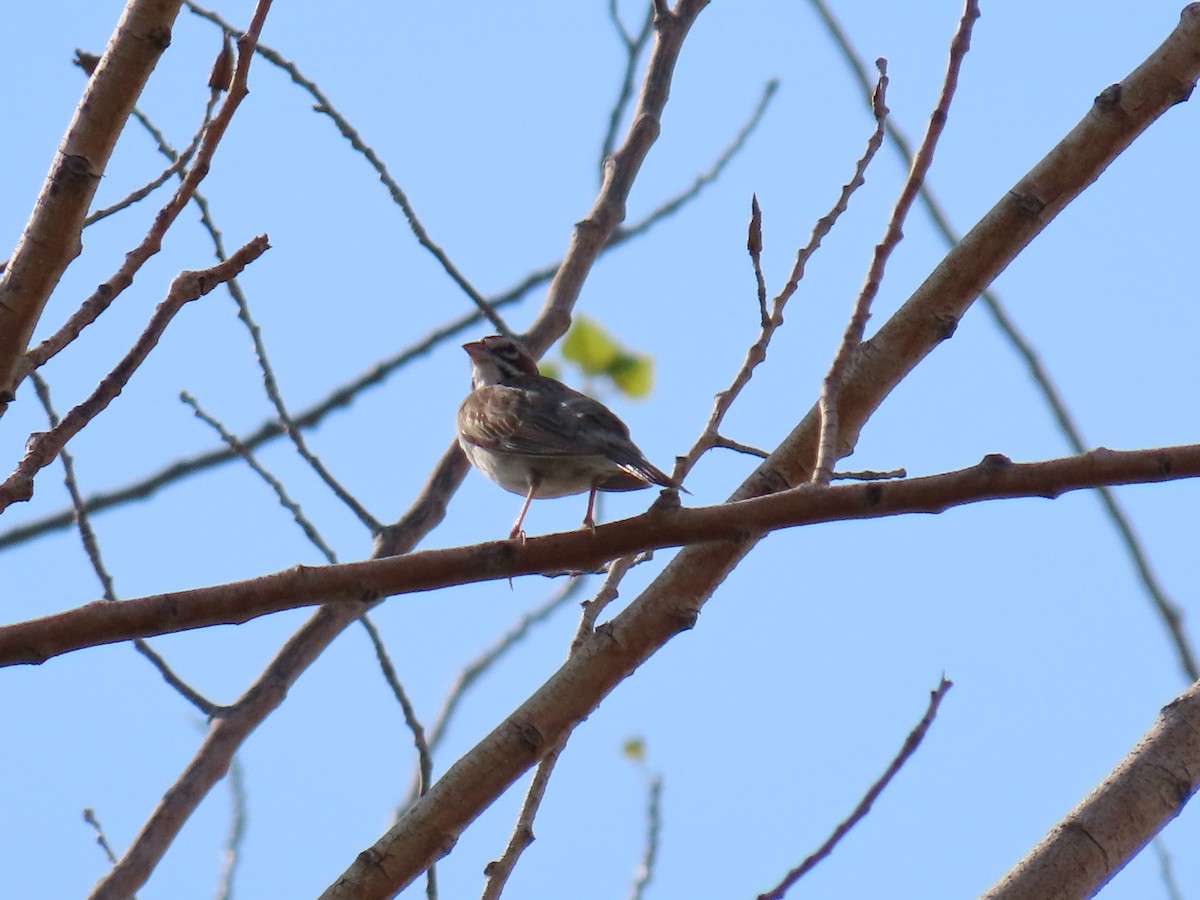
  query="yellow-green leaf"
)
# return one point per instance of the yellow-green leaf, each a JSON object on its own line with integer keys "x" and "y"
{"x": 635, "y": 749}
{"x": 589, "y": 345}
{"x": 632, "y": 373}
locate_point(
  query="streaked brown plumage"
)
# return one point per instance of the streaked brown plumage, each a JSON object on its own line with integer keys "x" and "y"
{"x": 534, "y": 436}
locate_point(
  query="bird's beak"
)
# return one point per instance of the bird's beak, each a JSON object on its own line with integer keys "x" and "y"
{"x": 474, "y": 349}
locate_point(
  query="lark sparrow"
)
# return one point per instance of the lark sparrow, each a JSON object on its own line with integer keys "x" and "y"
{"x": 534, "y": 436}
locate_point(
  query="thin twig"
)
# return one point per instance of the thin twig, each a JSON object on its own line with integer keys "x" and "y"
{"x": 498, "y": 871}
{"x": 711, "y": 437}
{"x": 424, "y": 758}
{"x": 326, "y": 107}
{"x": 186, "y": 286}
{"x": 89, "y": 816}
{"x": 828, "y": 448}
{"x": 281, "y": 494}
{"x": 344, "y": 395}
{"x": 1165, "y": 869}
{"x": 471, "y": 673}
{"x": 645, "y": 871}
{"x": 178, "y": 162}
{"x": 1167, "y": 609}
{"x": 237, "y": 830}
{"x": 634, "y": 45}
{"x": 911, "y": 743}
{"x": 705, "y": 178}
{"x": 152, "y": 242}
{"x": 293, "y": 432}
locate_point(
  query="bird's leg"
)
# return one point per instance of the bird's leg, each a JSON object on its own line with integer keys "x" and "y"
{"x": 535, "y": 482}
{"x": 588, "y": 522}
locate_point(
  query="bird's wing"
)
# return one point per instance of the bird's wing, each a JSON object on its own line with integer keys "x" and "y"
{"x": 520, "y": 420}
{"x": 513, "y": 419}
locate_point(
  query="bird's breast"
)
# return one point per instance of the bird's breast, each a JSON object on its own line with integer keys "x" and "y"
{"x": 557, "y": 476}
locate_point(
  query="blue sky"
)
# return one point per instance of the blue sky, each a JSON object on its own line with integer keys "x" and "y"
{"x": 815, "y": 658}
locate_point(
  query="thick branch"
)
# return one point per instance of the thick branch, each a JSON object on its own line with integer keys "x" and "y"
{"x": 674, "y": 599}
{"x": 51, "y": 237}
{"x": 227, "y": 734}
{"x": 1145, "y": 791}
{"x": 994, "y": 478}
{"x": 620, "y": 170}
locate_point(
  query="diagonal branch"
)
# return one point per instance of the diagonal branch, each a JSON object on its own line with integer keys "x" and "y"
{"x": 324, "y": 105}
{"x": 1166, "y": 608}
{"x": 673, "y": 601}
{"x": 911, "y": 743}
{"x": 1143, "y": 793}
{"x": 828, "y": 448}
{"x": 214, "y": 131}
{"x": 51, "y": 237}
{"x": 187, "y": 286}
{"x": 591, "y": 237}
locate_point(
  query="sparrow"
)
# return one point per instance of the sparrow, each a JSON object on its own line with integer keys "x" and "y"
{"x": 536, "y": 437}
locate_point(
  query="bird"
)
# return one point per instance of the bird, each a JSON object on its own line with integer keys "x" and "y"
{"x": 534, "y": 436}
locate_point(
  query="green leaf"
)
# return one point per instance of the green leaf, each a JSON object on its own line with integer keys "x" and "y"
{"x": 632, "y": 373}
{"x": 635, "y": 749}
{"x": 596, "y": 352}
{"x": 590, "y": 346}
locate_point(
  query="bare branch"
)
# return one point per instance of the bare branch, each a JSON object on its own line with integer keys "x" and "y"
{"x": 51, "y": 236}
{"x": 152, "y": 242}
{"x": 1139, "y": 797}
{"x": 187, "y": 286}
{"x": 711, "y": 437}
{"x": 1166, "y": 608}
{"x": 89, "y": 816}
{"x": 634, "y": 45}
{"x": 828, "y": 449}
{"x": 326, "y": 107}
{"x": 499, "y": 870}
{"x": 645, "y": 872}
{"x": 92, "y": 548}
{"x": 911, "y": 743}
{"x": 237, "y": 830}
{"x": 995, "y": 478}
